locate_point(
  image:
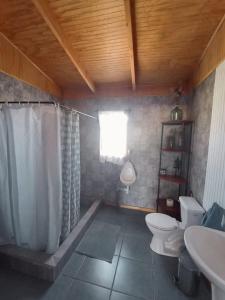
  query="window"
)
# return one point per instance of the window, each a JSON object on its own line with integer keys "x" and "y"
{"x": 113, "y": 136}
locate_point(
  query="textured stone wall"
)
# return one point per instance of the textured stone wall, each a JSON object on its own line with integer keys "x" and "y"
{"x": 145, "y": 115}
{"x": 200, "y": 112}
{"x": 12, "y": 89}
{"x": 101, "y": 180}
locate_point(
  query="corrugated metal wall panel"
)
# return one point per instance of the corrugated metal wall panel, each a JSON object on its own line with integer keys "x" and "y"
{"x": 215, "y": 172}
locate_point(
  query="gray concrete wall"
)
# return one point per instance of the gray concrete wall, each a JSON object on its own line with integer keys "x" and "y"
{"x": 12, "y": 89}
{"x": 200, "y": 112}
{"x": 101, "y": 180}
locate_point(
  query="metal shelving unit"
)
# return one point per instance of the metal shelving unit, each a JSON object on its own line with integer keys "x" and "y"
{"x": 184, "y": 154}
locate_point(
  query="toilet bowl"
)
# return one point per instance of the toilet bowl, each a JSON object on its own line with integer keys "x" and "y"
{"x": 163, "y": 228}
{"x": 168, "y": 233}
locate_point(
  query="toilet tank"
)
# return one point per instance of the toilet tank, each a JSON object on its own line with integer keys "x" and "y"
{"x": 191, "y": 211}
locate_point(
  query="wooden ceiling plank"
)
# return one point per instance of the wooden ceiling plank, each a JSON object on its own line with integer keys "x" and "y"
{"x": 130, "y": 32}
{"x": 56, "y": 29}
{"x": 212, "y": 38}
{"x": 212, "y": 56}
{"x": 97, "y": 31}
{"x": 170, "y": 51}
{"x": 14, "y": 62}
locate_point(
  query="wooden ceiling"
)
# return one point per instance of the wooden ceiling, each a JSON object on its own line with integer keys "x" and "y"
{"x": 88, "y": 45}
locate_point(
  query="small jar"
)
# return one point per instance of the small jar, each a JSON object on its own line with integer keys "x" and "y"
{"x": 170, "y": 143}
{"x": 179, "y": 140}
{"x": 169, "y": 202}
{"x": 176, "y": 114}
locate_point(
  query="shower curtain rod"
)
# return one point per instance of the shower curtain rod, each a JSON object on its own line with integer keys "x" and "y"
{"x": 45, "y": 102}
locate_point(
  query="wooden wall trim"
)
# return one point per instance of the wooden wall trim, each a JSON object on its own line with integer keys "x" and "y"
{"x": 138, "y": 208}
{"x": 130, "y": 32}
{"x": 119, "y": 91}
{"x": 213, "y": 55}
{"x": 131, "y": 207}
{"x": 15, "y": 63}
{"x": 46, "y": 13}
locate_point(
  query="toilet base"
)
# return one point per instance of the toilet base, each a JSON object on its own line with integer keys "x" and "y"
{"x": 157, "y": 245}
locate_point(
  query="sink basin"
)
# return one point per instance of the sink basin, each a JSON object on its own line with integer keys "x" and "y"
{"x": 207, "y": 248}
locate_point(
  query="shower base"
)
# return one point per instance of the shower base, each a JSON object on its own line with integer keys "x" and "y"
{"x": 41, "y": 265}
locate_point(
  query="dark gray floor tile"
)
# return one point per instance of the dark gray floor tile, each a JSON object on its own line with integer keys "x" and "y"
{"x": 74, "y": 264}
{"x": 110, "y": 215}
{"x": 164, "y": 278}
{"x": 85, "y": 291}
{"x": 137, "y": 247}
{"x": 164, "y": 268}
{"x": 135, "y": 225}
{"x": 98, "y": 272}
{"x": 165, "y": 264}
{"x": 173, "y": 294}
{"x": 134, "y": 278}
{"x": 119, "y": 245}
{"x": 120, "y": 296}
{"x": 14, "y": 285}
{"x": 169, "y": 291}
{"x": 165, "y": 294}
{"x": 59, "y": 290}
{"x": 132, "y": 212}
{"x": 99, "y": 241}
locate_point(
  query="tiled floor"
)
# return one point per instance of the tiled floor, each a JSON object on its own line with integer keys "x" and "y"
{"x": 135, "y": 273}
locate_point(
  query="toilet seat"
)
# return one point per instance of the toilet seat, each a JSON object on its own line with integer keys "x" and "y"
{"x": 161, "y": 221}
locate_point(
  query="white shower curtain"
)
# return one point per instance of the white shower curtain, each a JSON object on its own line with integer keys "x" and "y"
{"x": 70, "y": 137}
{"x": 30, "y": 176}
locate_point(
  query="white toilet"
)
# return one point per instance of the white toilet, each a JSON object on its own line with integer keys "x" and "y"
{"x": 168, "y": 233}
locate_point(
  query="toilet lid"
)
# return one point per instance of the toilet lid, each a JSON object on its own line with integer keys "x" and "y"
{"x": 161, "y": 221}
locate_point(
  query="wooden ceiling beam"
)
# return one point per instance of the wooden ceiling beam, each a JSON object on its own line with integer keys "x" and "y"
{"x": 48, "y": 16}
{"x": 212, "y": 57}
{"x": 130, "y": 33}
{"x": 15, "y": 63}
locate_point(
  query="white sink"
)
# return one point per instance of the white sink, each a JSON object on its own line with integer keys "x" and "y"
{"x": 207, "y": 248}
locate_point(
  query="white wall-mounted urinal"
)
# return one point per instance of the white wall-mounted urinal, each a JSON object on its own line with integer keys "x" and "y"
{"x": 128, "y": 175}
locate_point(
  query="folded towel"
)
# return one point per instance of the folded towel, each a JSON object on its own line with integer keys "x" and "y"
{"x": 214, "y": 218}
